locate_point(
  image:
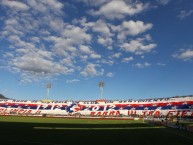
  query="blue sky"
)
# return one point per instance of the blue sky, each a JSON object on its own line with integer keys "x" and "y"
{"x": 139, "y": 49}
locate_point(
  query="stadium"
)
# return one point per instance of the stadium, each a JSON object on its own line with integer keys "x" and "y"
{"x": 107, "y": 121}
{"x": 142, "y": 50}
{"x": 178, "y": 107}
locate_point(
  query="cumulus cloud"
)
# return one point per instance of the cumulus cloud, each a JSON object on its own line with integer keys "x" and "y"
{"x": 90, "y": 70}
{"x": 117, "y": 55}
{"x": 68, "y": 61}
{"x": 105, "y": 41}
{"x": 85, "y": 49}
{"x": 37, "y": 53}
{"x": 110, "y": 74}
{"x": 184, "y": 14}
{"x": 94, "y": 2}
{"x": 43, "y": 40}
{"x": 127, "y": 59}
{"x": 15, "y": 5}
{"x": 45, "y": 6}
{"x": 72, "y": 81}
{"x": 39, "y": 62}
{"x": 164, "y": 2}
{"x": 131, "y": 28}
{"x": 95, "y": 56}
{"x": 75, "y": 34}
{"x": 118, "y": 9}
{"x": 142, "y": 65}
{"x": 184, "y": 54}
{"x": 138, "y": 46}
{"x": 101, "y": 27}
{"x": 109, "y": 62}
{"x": 161, "y": 64}
{"x": 71, "y": 36}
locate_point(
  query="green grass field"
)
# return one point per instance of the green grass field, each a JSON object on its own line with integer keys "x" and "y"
{"x": 66, "y": 131}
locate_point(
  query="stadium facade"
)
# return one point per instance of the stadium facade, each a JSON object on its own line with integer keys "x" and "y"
{"x": 178, "y": 106}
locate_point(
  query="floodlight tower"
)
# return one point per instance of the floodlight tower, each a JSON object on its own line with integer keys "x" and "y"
{"x": 101, "y": 86}
{"x": 48, "y": 86}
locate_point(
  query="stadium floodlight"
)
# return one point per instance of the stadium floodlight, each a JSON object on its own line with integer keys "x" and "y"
{"x": 101, "y": 86}
{"x": 48, "y": 86}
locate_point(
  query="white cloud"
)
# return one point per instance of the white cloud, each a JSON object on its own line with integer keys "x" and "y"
{"x": 131, "y": 28}
{"x": 161, "y": 64}
{"x": 45, "y": 6}
{"x": 90, "y": 71}
{"x": 95, "y": 56}
{"x": 11, "y": 21}
{"x": 84, "y": 57}
{"x": 101, "y": 27}
{"x": 19, "y": 43}
{"x": 54, "y": 4}
{"x": 35, "y": 39}
{"x": 27, "y": 80}
{"x": 110, "y": 74}
{"x": 109, "y": 62}
{"x": 184, "y": 14}
{"x": 12, "y": 27}
{"x": 41, "y": 43}
{"x": 85, "y": 49}
{"x": 68, "y": 46}
{"x": 138, "y": 46}
{"x": 33, "y": 63}
{"x": 72, "y": 81}
{"x": 68, "y": 61}
{"x": 39, "y": 62}
{"x": 118, "y": 9}
{"x": 117, "y": 55}
{"x": 164, "y": 2}
{"x": 142, "y": 65}
{"x": 184, "y": 54}
{"x": 8, "y": 54}
{"x": 14, "y": 4}
{"x": 56, "y": 24}
{"x": 94, "y": 2}
{"x": 127, "y": 59}
{"x": 105, "y": 41}
{"x": 44, "y": 41}
{"x": 75, "y": 34}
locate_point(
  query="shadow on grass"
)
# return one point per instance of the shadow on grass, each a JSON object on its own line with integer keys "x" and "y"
{"x": 70, "y": 134}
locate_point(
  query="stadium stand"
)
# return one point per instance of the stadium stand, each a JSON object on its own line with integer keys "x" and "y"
{"x": 177, "y": 106}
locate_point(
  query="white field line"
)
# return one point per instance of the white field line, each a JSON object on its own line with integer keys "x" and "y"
{"x": 98, "y": 128}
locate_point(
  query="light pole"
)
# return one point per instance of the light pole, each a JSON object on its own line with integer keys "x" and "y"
{"x": 48, "y": 86}
{"x": 101, "y": 86}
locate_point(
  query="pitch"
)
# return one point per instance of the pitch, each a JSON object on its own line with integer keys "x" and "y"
{"x": 60, "y": 131}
